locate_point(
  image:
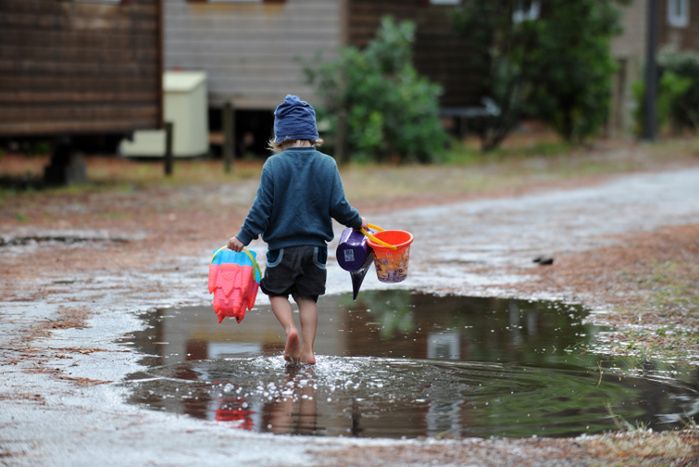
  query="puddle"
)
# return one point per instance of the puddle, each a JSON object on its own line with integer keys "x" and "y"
{"x": 401, "y": 364}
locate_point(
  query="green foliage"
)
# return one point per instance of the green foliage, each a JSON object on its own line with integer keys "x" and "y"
{"x": 671, "y": 92}
{"x": 677, "y": 100}
{"x": 391, "y": 112}
{"x": 556, "y": 68}
{"x": 490, "y": 25}
{"x": 463, "y": 154}
{"x": 570, "y": 66}
{"x": 684, "y": 109}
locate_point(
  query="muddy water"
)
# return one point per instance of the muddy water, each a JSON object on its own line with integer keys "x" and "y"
{"x": 401, "y": 364}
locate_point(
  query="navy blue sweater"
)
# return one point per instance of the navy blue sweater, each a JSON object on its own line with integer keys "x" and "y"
{"x": 300, "y": 191}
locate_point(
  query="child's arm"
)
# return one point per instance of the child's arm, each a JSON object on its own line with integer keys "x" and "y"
{"x": 340, "y": 209}
{"x": 257, "y": 219}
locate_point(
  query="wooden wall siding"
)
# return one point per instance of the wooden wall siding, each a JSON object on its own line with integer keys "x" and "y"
{"x": 73, "y": 68}
{"x": 686, "y": 38}
{"x": 249, "y": 51}
{"x": 440, "y": 54}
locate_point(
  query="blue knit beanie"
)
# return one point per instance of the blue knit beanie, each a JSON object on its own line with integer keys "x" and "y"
{"x": 294, "y": 119}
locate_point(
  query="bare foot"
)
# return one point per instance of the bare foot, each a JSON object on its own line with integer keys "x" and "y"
{"x": 308, "y": 358}
{"x": 291, "y": 350}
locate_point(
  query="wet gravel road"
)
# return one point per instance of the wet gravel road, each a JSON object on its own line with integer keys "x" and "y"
{"x": 457, "y": 242}
{"x": 60, "y": 396}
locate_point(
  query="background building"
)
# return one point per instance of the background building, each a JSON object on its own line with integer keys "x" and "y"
{"x": 678, "y": 29}
{"x": 252, "y": 51}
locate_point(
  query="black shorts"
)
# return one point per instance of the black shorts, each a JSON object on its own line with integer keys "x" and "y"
{"x": 299, "y": 271}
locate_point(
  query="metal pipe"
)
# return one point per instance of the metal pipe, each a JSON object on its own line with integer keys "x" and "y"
{"x": 651, "y": 78}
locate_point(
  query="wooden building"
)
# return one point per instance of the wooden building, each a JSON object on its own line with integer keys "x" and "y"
{"x": 679, "y": 24}
{"x": 441, "y": 53}
{"x": 70, "y": 69}
{"x": 678, "y": 29}
{"x": 251, "y": 49}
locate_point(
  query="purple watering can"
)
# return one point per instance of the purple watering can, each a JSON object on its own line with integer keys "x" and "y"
{"x": 354, "y": 255}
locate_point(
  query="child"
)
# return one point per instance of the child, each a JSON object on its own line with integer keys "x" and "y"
{"x": 300, "y": 191}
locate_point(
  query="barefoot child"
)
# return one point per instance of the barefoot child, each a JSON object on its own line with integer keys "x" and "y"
{"x": 300, "y": 192}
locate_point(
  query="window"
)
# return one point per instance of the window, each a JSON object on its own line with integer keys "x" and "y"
{"x": 444, "y": 345}
{"x": 678, "y": 13}
{"x": 526, "y": 11}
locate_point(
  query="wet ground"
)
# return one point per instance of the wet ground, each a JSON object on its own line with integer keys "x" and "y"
{"x": 401, "y": 364}
{"x": 457, "y": 241}
{"x": 76, "y": 384}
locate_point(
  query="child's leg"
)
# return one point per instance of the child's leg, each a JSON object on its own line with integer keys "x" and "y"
{"x": 282, "y": 310}
{"x": 308, "y": 310}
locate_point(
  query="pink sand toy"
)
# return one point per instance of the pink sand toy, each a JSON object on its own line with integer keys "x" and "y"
{"x": 234, "y": 278}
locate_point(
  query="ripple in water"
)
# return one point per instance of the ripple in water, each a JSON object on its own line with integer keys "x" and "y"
{"x": 400, "y": 364}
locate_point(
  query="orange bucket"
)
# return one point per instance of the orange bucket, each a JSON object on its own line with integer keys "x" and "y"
{"x": 391, "y": 263}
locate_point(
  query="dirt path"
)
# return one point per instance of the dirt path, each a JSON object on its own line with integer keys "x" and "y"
{"x": 77, "y": 269}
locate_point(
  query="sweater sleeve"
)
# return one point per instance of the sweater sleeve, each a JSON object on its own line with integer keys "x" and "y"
{"x": 257, "y": 219}
{"x": 340, "y": 208}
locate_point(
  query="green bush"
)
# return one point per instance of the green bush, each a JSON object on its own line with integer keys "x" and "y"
{"x": 570, "y": 66}
{"x": 684, "y": 109}
{"x": 677, "y": 100}
{"x": 391, "y": 112}
{"x": 671, "y": 91}
{"x": 556, "y": 68}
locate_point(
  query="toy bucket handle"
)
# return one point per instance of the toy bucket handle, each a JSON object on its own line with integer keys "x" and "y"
{"x": 375, "y": 239}
{"x": 247, "y": 252}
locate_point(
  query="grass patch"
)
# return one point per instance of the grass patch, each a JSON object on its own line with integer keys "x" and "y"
{"x": 468, "y": 153}
{"x": 667, "y": 310}
{"x": 20, "y": 175}
{"x": 643, "y": 447}
{"x": 185, "y": 172}
{"x": 465, "y": 171}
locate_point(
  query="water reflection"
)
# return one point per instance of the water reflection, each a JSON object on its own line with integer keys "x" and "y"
{"x": 400, "y": 324}
{"x": 397, "y": 364}
{"x": 294, "y": 411}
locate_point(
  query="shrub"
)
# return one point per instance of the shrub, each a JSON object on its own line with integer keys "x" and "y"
{"x": 391, "y": 112}
{"x": 556, "y": 68}
{"x": 671, "y": 90}
{"x": 570, "y": 66}
{"x": 677, "y": 100}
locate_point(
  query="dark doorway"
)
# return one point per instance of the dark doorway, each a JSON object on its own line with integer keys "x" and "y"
{"x": 253, "y": 129}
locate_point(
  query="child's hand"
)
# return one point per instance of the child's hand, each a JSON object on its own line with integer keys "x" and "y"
{"x": 235, "y": 244}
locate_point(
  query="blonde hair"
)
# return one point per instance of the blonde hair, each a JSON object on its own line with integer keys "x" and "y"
{"x": 279, "y": 147}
